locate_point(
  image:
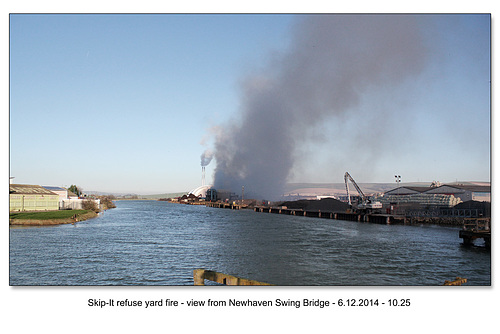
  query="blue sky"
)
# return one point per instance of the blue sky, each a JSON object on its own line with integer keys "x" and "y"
{"x": 127, "y": 103}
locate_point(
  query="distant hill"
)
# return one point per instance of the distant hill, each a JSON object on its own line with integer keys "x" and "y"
{"x": 166, "y": 195}
{"x": 128, "y": 195}
{"x": 308, "y": 189}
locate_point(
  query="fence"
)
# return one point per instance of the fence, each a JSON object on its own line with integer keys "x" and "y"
{"x": 459, "y": 213}
{"x": 75, "y": 204}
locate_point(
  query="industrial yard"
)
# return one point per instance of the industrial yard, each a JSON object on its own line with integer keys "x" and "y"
{"x": 466, "y": 204}
{"x": 415, "y": 200}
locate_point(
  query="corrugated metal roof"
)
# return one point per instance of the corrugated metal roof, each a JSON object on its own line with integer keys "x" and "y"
{"x": 29, "y": 189}
{"x": 51, "y": 188}
{"x": 470, "y": 187}
{"x": 404, "y": 190}
{"x": 419, "y": 189}
{"x": 437, "y": 190}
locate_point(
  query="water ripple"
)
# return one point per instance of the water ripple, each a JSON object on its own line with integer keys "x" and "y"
{"x": 159, "y": 243}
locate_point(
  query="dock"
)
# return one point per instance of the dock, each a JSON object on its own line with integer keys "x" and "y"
{"x": 225, "y": 205}
{"x": 478, "y": 228}
{"x": 349, "y": 216}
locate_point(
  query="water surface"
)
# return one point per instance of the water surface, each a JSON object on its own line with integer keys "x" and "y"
{"x": 160, "y": 243}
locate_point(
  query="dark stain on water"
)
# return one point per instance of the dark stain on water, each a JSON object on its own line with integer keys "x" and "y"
{"x": 159, "y": 243}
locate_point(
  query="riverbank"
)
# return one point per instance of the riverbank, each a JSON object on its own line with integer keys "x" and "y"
{"x": 48, "y": 218}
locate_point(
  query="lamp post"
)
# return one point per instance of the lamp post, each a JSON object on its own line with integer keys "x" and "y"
{"x": 398, "y": 182}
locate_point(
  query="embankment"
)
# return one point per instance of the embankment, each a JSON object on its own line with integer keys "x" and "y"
{"x": 48, "y": 222}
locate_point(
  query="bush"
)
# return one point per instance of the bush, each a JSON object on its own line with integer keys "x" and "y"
{"x": 107, "y": 202}
{"x": 89, "y": 204}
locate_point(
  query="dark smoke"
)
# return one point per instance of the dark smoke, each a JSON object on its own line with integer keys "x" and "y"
{"x": 333, "y": 60}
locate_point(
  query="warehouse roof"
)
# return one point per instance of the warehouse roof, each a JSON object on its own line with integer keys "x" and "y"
{"x": 407, "y": 190}
{"x": 445, "y": 188}
{"x": 28, "y": 189}
{"x": 51, "y": 188}
{"x": 419, "y": 189}
{"x": 470, "y": 187}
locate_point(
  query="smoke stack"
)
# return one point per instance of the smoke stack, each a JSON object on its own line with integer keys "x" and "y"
{"x": 202, "y": 175}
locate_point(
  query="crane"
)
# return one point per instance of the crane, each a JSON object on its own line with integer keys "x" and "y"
{"x": 366, "y": 204}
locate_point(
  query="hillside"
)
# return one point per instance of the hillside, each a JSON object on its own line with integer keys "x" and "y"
{"x": 313, "y": 189}
{"x": 310, "y": 189}
{"x": 166, "y": 195}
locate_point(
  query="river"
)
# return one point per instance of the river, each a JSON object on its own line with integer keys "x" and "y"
{"x": 160, "y": 243}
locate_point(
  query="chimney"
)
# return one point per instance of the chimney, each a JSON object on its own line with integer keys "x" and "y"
{"x": 202, "y": 175}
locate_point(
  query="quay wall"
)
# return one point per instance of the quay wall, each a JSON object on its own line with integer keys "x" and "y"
{"x": 368, "y": 218}
{"x": 349, "y": 216}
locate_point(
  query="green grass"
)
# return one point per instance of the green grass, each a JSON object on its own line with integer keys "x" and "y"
{"x": 61, "y": 214}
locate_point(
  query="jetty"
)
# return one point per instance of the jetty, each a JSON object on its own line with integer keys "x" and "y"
{"x": 349, "y": 216}
{"x": 476, "y": 228}
{"x": 226, "y": 205}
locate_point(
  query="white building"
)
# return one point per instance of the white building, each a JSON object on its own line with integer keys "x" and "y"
{"x": 464, "y": 192}
{"x": 452, "y": 194}
{"x": 201, "y": 191}
{"x": 68, "y": 200}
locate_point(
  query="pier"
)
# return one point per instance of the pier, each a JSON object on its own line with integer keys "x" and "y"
{"x": 224, "y": 205}
{"x": 350, "y": 216}
{"x": 473, "y": 229}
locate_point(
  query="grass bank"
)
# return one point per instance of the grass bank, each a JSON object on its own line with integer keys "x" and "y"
{"x": 50, "y": 217}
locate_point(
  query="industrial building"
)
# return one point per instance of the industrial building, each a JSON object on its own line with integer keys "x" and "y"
{"x": 24, "y": 197}
{"x": 201, "y": 191}
{"x": 209, "y": 193}
{"x": 442, "y": 199}
{"x": 462, "y": 192}
{"x": 67, "y": 199}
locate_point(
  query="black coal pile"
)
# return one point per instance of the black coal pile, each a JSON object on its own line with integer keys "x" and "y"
{"x": 483, "y": 208}
{"x": 325, "y": 204}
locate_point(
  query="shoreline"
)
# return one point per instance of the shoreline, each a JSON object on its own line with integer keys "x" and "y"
{"x": 50, "y": 222}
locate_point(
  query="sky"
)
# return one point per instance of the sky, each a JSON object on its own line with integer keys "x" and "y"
{"x": 129, "y": 103}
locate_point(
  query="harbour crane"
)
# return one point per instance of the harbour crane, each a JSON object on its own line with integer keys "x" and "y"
{"x": 366, "y": 204}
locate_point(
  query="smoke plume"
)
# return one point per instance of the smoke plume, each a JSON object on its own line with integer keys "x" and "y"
{"x": 332, "y": 61}
{"x": 206, "y": 158}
